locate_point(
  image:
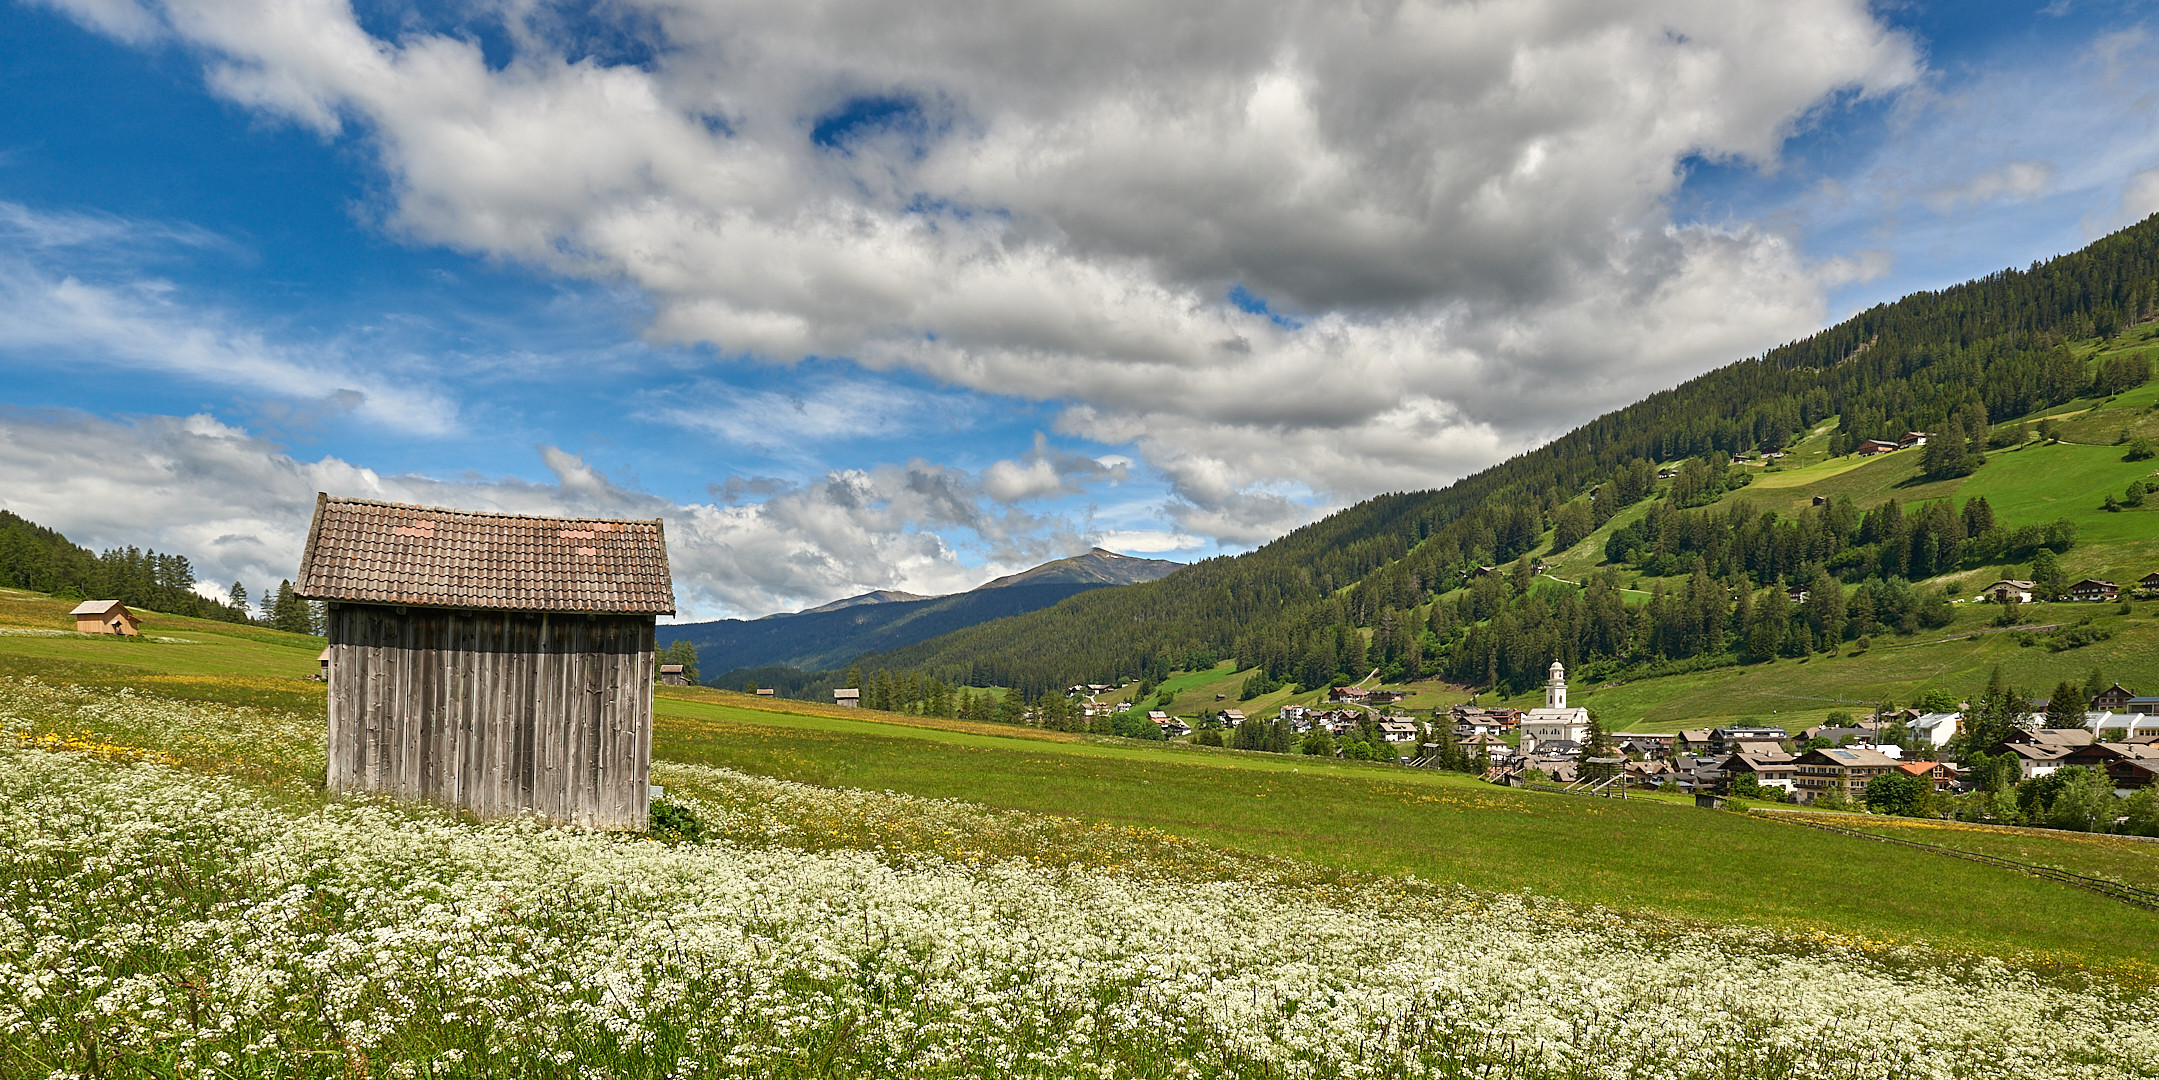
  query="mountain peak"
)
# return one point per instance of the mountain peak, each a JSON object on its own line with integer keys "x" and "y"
{"x": 1099, "y": 565}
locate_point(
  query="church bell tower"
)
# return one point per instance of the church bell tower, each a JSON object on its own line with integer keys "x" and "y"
{"x": 1555, "y": 691}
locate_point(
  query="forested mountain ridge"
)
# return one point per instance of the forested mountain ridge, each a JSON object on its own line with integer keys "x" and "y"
{"x": 760, "y": 649}
{"x": 1363, "y": 581}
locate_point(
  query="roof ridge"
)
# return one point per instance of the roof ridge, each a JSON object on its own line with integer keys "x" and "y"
{"x": 327, "y": 498}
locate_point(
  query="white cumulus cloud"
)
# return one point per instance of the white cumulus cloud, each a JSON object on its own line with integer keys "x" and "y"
{"x": 1454, "y": 214}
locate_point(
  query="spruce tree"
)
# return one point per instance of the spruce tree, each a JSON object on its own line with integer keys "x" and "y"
{"x": 2066, "y": 708}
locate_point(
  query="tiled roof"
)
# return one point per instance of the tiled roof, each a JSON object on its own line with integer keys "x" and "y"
{"x": 390, "y": 553}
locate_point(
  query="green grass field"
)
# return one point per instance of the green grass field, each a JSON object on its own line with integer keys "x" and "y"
{"x": 1652, "y": 856}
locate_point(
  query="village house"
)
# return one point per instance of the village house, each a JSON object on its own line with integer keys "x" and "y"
{"x": 1871, "y": 447}
{"x": 1941, "y": 774}
{"x": 671, "y": 675}
{"x": 2099, "y": 754}
{"x": 1913, "y": 438}
{"x": 2142, "y": 706}
{"x": 2129, "y": 774}
{"x": 105, "y": 617}
{"x": 1398, "y": 731}
{"x": 1935, "y": 729}
{"x": 1490, "y": 745}
{"x": 2010, "y": 589}
{"x": 1344, "y": 693}
{"x": 1841, "y": 769}
{"x": 497, "y": 663}
{"x": 1770, "y": 770}
{"x": 1756, "y": 740}
{"x": 1692, "y": 772}
{"x": 1649, "y": 743}
{"x": 847, "y": 697}
{"x": 2035, "y": 760}
{"x": 2060, "y": 738}
{"x": 2114, "y": 698}
{"x": 2149, "y": 582}
{"x": 2094, "y": 590}
{"x": 1865, "y": 733}
{"x": 1230, "y": 718}
{"x": 1173, "y": 727}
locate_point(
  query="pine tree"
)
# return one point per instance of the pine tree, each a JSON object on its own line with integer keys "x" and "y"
{"x": 290, "y": 613}
{"x": 2066, "y": 708}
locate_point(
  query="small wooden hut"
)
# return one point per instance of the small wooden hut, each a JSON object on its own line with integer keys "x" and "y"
{"x": 105, "y": 617}
{"x": 498, "y": 663}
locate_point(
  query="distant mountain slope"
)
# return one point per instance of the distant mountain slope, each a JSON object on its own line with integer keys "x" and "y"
{"x": 1963, "y": 360}
{"x": 881, "y": 596}
{"x": 1097, "y": 567}
{"x": 831, "y": 635}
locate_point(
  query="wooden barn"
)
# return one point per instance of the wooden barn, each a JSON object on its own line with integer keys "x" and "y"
{"x": 498, "y": 663}
{"x": 105, "y": 617}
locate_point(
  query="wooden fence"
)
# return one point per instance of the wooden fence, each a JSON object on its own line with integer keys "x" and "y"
{"x": 2127, "y": 894}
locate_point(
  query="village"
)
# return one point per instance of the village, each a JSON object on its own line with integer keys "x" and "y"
{"x": 1556, "y": 744}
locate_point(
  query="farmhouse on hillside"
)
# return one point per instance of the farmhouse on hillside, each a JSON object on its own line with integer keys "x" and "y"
{"x": 498, "y": 663}
{"x": 2011, "y": 589}
{"x": 105, "y": 617}
{"x": 2094, "y": 589}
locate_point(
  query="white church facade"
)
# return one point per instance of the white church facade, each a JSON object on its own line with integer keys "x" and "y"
{"x": 1555, "y": 722}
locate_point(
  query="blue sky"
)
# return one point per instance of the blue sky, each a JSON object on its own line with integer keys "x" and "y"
{"x": 910, "y": 300}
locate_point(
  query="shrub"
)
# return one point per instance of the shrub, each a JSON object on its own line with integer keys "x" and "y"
{"x": 676, "y": 823}
{"x": 2140, "y": 449}
{"x": 1897, "y": 793}
{"x": 2076, "y": 637}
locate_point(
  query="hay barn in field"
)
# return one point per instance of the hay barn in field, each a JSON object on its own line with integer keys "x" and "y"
{"x": 498, "y": 663}
{"x": 105, "y": 617}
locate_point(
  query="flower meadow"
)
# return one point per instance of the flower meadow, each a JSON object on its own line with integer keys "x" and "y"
{"x": 158, "y": 919}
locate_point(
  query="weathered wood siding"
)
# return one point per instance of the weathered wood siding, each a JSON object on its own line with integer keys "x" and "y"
{"x": 499, "y": 713}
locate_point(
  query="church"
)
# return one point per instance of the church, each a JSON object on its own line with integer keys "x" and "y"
{"x": 1555, "y": 722}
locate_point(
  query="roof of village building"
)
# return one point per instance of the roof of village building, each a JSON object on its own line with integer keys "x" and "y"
{"x": 390, "y": 553}
{"x": 1848, "y": 756}
{"x": 95, "y": 607}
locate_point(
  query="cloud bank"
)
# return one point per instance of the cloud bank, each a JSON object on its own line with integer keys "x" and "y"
{"x": 1294, "y": 253}
{"x": 239, "y": 506}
